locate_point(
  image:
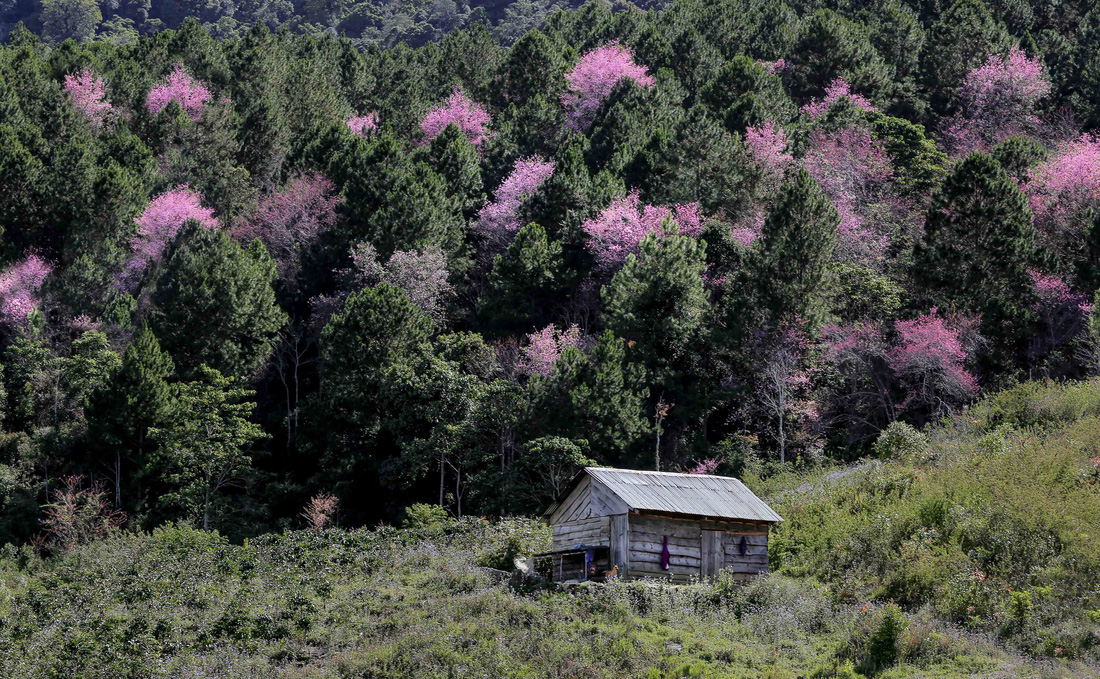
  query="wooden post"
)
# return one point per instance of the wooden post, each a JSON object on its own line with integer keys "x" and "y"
{"x": 620, "y": 543}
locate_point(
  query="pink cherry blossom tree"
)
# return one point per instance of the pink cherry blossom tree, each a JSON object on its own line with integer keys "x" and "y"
{"x": 619, "y": 229}
{"x": 854, "y": 170}
{"x": 291, "y": 220}
{"x": 837, "y": 90}
{"x": 89, "y": 96}
{"x": 776, "y": 67}
{"x": 459, "y": 109}
{"x": 1063, "y": 315}
{"x": 748, "y": 230}
{"x": 929, "y": 362}
{"x": 363, "y": 125}
{"x": 998, "y": 99}
{"x": 705, "y": 467}
{"x": 594, "y": 77}
{"x": 767, "y": 145}
{"x": 20, "y": 284}
{"x": 544, "y": 348}
{"x": 158, "y": 225}
{"x": 917, "y": 371}
{"x": 179, "y": 86}
{"x": 1064, "y": 188}
{"x": 498, "y": 221}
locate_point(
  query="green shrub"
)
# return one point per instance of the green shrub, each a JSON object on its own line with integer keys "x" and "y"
{"x": 882, "y": 649}
{"x": 900, "y": 441}
{"x": 837, "y": 670}
{"x": 428, "y": 519}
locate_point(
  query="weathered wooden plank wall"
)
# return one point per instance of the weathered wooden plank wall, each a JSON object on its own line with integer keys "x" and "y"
{"x": 591, "y": 532}
{"x": 696, "y": 548}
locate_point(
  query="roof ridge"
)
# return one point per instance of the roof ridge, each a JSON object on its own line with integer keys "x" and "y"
{"x": 650, "y": 471}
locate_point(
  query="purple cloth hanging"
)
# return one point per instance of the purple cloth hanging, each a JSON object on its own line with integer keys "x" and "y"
{"x": 665, "y": 555}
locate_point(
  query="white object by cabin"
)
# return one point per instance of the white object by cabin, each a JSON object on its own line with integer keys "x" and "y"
{"x": 620, "y": 521}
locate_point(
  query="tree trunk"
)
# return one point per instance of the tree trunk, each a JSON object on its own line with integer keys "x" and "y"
{"x": 118, "y": 478}
{"x": 442, "y": 470}
{"x": 458, "y": 492}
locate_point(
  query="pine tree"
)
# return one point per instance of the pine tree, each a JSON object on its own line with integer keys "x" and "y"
{"x": 658, "y": 302}
{"x": 378, "y": 332}
{"x": 206, "y": 448}
{"x": 135, "y": 399}
{"x": 700, "y": 162}
{"x": 21, "y": 175}
{"x": 789, "y": 273}
{"x": 598, "y": 396}
{"x": 831, "y": 47}
{"x": 745, "y": 93}
{"x": 960, "y": 41}
{"x": 215, "y": 303}
{"x": 455, "y": 159}
{"x": 526, "y": 282}
{"x": 978, "y": 245}
{"x": 534, "y": 66}
{"x": 416, "y": 213}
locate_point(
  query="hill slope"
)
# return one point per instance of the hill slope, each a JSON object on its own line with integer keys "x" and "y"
{"x": 983, "y": 530}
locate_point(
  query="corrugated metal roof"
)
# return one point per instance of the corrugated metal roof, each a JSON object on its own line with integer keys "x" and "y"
{"x": 693, "y": 494}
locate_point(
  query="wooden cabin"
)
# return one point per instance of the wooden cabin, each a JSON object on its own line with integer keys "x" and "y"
{"x": 608, "y": 518}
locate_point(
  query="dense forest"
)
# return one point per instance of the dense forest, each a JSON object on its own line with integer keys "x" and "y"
{"x": 248, "y": 275}
{"x": 368, "y": 22}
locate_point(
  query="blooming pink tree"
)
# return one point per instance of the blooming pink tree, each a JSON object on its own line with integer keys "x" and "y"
{"x": 363, "y": 125}
{"x": 421, "y": 274}
{"x": 1063, "y": 315}
{"x": 837, "y": 90}
{"x": 498, "y": 221}
{"x": 999, "y": 97}
{"x": 748, "y": 230}
{"x": 594, "y": 77}
{"x": 290, "y": 221}
{"x": 20, "y": 285}
{"x": 919, "y": 373}
{"x": 705, "y": 467}
{"x": 459, "y": 109}
{"x": 619, "y": 229}
{"x": 775, "y": 67}
{"x": 545, "y": 347}
{"x": 1064, "y": 188}
{"x": 928, "y": 360}
{"x": 767, "y": 145}
{"x": 158, "y": 225}
{"x": 180, "y": 87}
{"x": 854, "y": 170}
{"x": 89, "y": 96}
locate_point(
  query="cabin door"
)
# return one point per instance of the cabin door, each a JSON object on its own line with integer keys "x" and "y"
{"x": 711, "y": 551}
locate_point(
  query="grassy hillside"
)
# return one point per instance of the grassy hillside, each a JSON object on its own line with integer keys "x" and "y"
{"x": 968, "y": 550}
